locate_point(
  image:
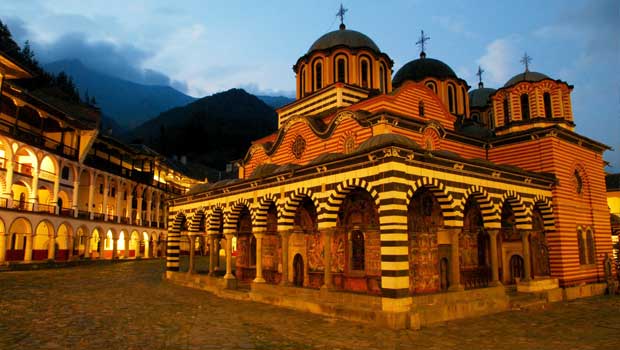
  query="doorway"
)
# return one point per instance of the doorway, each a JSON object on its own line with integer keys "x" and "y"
{"x": 298, "y": 271}
{"x": 516, "y": 268}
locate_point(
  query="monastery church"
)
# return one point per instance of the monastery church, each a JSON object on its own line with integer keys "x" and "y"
{"x": 404, "y": 198}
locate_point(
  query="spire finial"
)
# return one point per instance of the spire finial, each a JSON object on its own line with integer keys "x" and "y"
{"x": 479, "y": 74}
{"x": 526, "y": 60}
{"x": 422, "y": 44}
{"x": 340, "y": 14}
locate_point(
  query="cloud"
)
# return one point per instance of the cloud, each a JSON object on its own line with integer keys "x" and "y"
{"x": 453, "y": 24}
{"x": 498, "y": 60}
{"x": 254, "y": 89}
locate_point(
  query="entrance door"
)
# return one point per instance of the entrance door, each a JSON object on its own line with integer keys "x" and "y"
{"x": 444, "y": 281}
{"x": 298, "y": 270}
{"x": 516, "y": 268}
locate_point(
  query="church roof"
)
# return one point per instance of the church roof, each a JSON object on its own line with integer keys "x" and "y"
{"x": 343, "y": 37}
{"x": 526, "y": 76}
{"x": 422, "y": 68}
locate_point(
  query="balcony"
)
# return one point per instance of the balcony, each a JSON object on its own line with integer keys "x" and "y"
{"x": 37, "y": 139}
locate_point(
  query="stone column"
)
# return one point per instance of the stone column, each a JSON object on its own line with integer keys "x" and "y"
{"x": 155, "y": 248}
{"x": 128, "y": 209}
{"x": 70, "y": 243}
{"x": 34, "y": 195}
{"x": 3, "y": 237}
{"x": 51, "y": 248}
{"x": 327, "y": 259}
{"x": 259, "y": 258}
{"x": 55, "y": 193}
{"x": 86, "y": 246}
{"x": 494, "y": 262}
{"x": 455, "y": 266}
{"x": 104, "y": 209}
{"x": 9, "y": 182}
{"x": 117, "y": 205}
{"x": 139, "y": 211}
{"x": 527, "y": 265}
{"x": 91, "y": 195}
{"x": 75, "y": 198}
{"x": 102, "y": 247}
{"x": 147, "y": 247}
{"x": 229, "y": 275}
{"x": 28, "y": 248}
{"x": 285, "y": 236}
{"x": 138, "y": 247}
{"x": 114, "y": 248}
{"x": 149, "y": 202}
{"x": 157, "y": 204}
{"x": 127, "y": 241}
{"x": 211, "y": 254}
{"x": 192, "y": 253}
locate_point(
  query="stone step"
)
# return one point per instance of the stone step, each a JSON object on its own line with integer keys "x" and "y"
{"x": 527, "y": 301}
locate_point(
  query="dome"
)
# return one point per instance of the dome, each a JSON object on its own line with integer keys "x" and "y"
{"x": 480, "y": 97}
{"x": 421, "y": 68}
{"x": 344, "y": 37}
{"x": 526, "y": 76}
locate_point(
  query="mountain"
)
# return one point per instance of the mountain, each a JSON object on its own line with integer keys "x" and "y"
{"x": 212, "y": 130}
{"x": 126, "y": 103}
{"x": 276, "y": 101}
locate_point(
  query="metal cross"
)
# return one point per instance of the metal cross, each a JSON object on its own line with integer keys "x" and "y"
{"x": 341, "y": 13}
{"x": 479, "y": 74}
{"x": 526, "y": 60}
{"x": 422, "y": 41}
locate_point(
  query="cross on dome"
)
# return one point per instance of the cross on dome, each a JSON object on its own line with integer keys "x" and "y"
{"x": 526, "y": 60}
{"x": 340, "y": 14}
{"x": 479, "y": 74}
{"x": 421, "y": 43}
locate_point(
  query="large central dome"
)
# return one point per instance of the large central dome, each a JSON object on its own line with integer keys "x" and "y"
{"x": 343, "y": 37}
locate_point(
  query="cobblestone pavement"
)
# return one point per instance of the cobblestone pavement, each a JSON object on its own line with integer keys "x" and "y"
{"x": 129, "y": 306}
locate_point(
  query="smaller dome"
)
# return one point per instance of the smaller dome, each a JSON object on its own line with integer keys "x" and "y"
{"x": 344, "y": 37}
{"x": 385, "y": 140}
{"x": 422, "y": 68}
{"x": 480, "y": 97}
{"x": 526, "y": 76}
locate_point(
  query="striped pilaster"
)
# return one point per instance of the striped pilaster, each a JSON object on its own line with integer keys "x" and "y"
{"x": 394, "y": 246}
{"x": 173, "y": 248}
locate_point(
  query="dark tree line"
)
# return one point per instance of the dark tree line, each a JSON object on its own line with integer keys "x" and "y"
{"x": 26, "y": 57}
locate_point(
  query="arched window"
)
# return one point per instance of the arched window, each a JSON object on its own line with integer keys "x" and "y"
{"x": 365, "y": 72}
{"x": 491, "y": 120}
{"x": 578, "y": 182}
{"x": 357, "y": 251}
{"x": 475, "y": 117}
{"x": 464, "y": 97}
{"x": 451, "y": 99}
{"x": 525, "y": 107}
{"x": 341, "y": 69}
{"x": 302, "y": 82}
{"x": 382, "y": 78}
{"x": 506, "y": 112}
{"x": 317, "y": 83}
{"x": 421, "y": 108}
{"x": 547, "y": 101}
{"x": 431, "y": 85}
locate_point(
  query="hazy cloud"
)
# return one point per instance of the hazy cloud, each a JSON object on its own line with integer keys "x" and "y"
{"x": 254, "y": 89}
{"x": 498, "y": 61}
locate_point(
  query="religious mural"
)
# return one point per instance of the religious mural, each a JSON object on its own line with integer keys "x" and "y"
{"x": 424, "y": 221}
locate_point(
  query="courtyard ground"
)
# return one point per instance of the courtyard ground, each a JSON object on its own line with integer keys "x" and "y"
{"x": 129, "y": 306}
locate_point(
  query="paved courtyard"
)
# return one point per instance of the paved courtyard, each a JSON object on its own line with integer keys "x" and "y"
{"x": 129, "y": 306}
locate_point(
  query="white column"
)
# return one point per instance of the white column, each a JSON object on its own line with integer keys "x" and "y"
{"x": 455, "y": 270}
{"x": 494, "y": 261}
{"x": 149, "y": 202}
{"x": 102, "y": 239}
{"x": 157, "y": 204}
{"x": 70, "y": 243}
{"x": 229, "y": 275}
{"x": 527, "y": 266}
{"x": 327, "y": 259}
{"x": 114, "y": 247}
{"x": 192, "y": 253}
{"x": 259, "y": 258}
{"x": 284, "y": 237}
{"x": 127, "y": 241}
{"x": 34, "y": 196}
{"x": 147, "y": 247}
